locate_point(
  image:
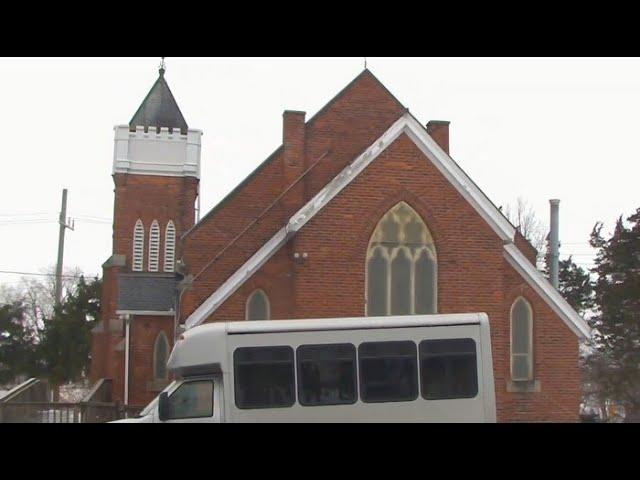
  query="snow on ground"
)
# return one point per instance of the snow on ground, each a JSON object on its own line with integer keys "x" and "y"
{"x": 73, "y": 393}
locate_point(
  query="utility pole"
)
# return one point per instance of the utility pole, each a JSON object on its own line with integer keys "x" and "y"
{"x": 554, "y": 241}
{"x": 64, "y": 224}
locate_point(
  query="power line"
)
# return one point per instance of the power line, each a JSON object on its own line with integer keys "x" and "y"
{"x": 26, "y": 221}
{"x": 23, "y": 217}
{"x": 92, "y": 217}
{"x": 44, "y": 220}
{"x": 46, "y": 274}
{"x": 103, "y": 222}
{"x": 25, "y": 214}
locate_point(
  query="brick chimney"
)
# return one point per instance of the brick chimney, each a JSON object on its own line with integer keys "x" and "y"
{"x": 439, "y": 131}
{"x": 293, "y": 137}
{"x": 293, "y": 165}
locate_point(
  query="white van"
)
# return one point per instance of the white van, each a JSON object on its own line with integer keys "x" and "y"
{"x": 418, "y": 368}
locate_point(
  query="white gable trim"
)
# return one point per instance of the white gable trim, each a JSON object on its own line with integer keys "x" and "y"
{"x": 258, "y": 259}
{"x": 463, "y": 184}
{"x": 409, "y": 125}
{"x": 543, "y": 288}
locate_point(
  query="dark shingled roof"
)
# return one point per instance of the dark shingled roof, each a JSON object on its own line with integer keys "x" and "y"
{"x": 159, "y": 108}
{"x": 150, "y": 292}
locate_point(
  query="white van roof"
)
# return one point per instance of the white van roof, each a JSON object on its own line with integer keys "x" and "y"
{"x": 202, "y": 349}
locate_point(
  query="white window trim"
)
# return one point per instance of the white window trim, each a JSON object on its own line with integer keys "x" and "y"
{"x": 160, "y": 336}
{"x": 266, "y": 297}
{"x": 137, "y": 259}
{"x": 530, "y": 332}
{"x": 154, "y": 246}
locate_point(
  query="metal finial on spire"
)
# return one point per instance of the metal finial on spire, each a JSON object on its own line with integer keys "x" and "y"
{"x": 162, "y": 66}
{"x": 365, "y": 63}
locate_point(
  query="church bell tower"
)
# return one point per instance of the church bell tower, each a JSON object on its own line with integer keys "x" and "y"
{"x": 156, "y": 173}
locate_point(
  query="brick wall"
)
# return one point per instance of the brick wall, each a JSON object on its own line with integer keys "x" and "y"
{"x": 342, "y": 130}
{"x": 143, "y": 333}
{"x": 472, "y": 275}
{"x": 149, "y": 197}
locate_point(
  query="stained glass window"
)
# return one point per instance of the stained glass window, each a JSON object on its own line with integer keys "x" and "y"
{"x": 401, "y": 265}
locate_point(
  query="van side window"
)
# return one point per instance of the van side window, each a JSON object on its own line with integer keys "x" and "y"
{"x": 192, "y": 400}
{"x": 264, "y": 377}
{"x": 388, "y": 371}
{"x": 448, "y": 368}
{"x": 326, "y": 374}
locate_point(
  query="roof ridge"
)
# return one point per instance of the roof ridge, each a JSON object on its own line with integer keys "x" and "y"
{"x": 327, "y": 105}
{"x": 339, "y": 95}
{"x": 469, "y": 177}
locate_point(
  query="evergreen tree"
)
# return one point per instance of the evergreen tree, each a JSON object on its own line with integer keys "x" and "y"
{"x": 65, "y": 349}
{"x": 616, "y": 339}
{"x": 574, "y": 282}
{"x": 16, "y": 343}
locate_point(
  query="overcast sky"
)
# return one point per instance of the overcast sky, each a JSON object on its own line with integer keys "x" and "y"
{"x": 530, "y": 128}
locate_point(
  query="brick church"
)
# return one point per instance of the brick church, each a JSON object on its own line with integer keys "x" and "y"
{"x": 360, "y": 212}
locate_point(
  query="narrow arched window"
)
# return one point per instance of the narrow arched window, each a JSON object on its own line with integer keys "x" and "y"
{"x": 169, "y": 247}
{"x": 401, "y": 265}
{"x": 160, "y": 357}
{"x": 521, "y": 340}
{"x": 154, "y": 246}
{"x": 258, "y": 306}
{"x": 138, "y": 246}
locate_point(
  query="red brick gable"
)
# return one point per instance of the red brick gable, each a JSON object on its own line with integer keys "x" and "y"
{"x": 330, "y": 282}
{"x": 340, "y": 131}
{"x": 268, "y": 233}
{"x": 473, "y": 275}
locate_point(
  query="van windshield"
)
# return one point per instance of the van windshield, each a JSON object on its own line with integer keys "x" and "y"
{"x": 149, "y": 408}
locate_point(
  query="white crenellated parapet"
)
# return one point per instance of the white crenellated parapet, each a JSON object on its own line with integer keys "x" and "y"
{"x": 157, "y": 153}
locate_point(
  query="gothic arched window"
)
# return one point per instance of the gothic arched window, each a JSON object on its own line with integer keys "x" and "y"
{"x": 154, "y": 246}
{"x": 169, "y": 247}
{"x": 160, "y": 357}
{"x": 258, "y": 306}
{"x": 521, "y": 340}
{"x": 138, "y": 247}
{"x": 401, "y": 265}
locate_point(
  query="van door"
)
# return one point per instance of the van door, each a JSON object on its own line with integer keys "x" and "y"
{"x": 195, "y": 400}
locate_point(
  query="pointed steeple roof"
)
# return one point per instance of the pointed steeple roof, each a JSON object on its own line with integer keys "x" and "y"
{"x": 159, "y": 108}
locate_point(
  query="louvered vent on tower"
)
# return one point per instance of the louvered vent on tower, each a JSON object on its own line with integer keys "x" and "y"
{"x": 138, "y": 246}
{"x": 154, "y": 246}
{"x": 169, "y": 247}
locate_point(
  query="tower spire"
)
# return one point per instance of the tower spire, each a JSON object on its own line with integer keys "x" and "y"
{"x": 159, "y": 108}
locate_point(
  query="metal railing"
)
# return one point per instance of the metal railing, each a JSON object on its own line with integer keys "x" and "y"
{"x": 31, "y": 390}
{"x": 60, "y": 412}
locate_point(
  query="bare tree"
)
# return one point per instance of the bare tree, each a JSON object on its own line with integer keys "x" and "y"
{"x": 37, "y": 294}
{"x": 524, "y": 218}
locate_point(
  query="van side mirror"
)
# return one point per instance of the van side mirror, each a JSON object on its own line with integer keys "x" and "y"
{"x": 163, "y": 406}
